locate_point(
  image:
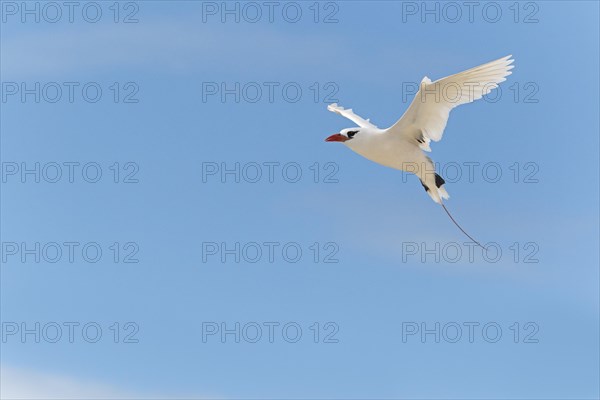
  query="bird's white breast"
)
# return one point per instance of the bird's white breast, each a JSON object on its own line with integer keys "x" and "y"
{"x": 389, "y": 150}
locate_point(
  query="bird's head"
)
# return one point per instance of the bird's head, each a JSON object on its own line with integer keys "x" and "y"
{"x": 344, "y": 135}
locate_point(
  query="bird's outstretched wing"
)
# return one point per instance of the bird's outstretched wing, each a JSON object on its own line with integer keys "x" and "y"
{"x": 426, "y": 117}
{"x": 348, "y": 113}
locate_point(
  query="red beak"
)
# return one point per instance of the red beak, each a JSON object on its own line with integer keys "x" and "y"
{"x": 336, "y": 138}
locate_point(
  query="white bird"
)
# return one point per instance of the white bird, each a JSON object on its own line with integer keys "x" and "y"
{"x": 401, "y": 146}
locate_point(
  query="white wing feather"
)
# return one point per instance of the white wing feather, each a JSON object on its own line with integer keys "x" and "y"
{"x": 426, "y": 117}
{"x": 348, "y": 113}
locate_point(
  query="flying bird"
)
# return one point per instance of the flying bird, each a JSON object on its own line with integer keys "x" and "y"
{"x": 402, "y": 145}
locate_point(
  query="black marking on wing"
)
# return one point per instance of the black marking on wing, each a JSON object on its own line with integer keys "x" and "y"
{"x": 439, "y": 181}
{"x": 424, "y": 186}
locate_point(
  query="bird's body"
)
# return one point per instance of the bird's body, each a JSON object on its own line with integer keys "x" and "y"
{"x": 401, "y": 146}
{"x": 397, "y": 152}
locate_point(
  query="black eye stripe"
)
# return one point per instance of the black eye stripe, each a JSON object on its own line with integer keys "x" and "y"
{"x": 351, "y": 134}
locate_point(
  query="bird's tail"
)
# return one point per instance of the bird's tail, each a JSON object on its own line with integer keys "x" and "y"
{"x": 437, "y": 192}
{"x": 435, "y": 189}
{"x": 459, "y": 227}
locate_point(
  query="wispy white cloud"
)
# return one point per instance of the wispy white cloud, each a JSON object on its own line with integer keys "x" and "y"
{"x": 24, "y": 384}
{"x": 18, "y": 383}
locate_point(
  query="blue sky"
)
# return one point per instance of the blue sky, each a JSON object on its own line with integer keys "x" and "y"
{"x": 378, "y": 224}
